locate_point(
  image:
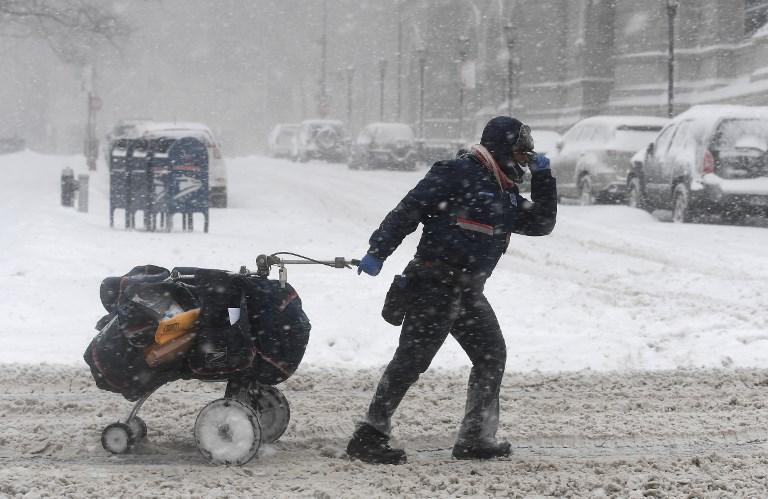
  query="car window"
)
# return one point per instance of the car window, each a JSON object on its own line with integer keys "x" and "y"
{"x": 576, "y": 137}
{"x": 663, "y": 140}
{"x": 364, "y": 138}
{"x": 440, "y": 129}
{"x": 388, "y": 134}
{"x": 683, "y": 138}
{"x": 682, "y": 150}
{"x": 633, "y": 137}
{"x": 741, "y": 133}
{"x": 589, "y": 136}
{"x": 572, "y": 134}
{"x": 285, "y": 136}
{"x": 602, "y": 134}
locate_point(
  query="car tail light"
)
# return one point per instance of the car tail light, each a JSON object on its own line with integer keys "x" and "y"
{"x": 707, "y": 163}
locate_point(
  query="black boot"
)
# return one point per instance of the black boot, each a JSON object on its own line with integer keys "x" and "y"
{"x": 482, "y": 450}
{"x": 371, "y": 446}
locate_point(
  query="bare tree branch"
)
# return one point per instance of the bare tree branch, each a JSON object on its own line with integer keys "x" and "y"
{"x": 71, "y": 28}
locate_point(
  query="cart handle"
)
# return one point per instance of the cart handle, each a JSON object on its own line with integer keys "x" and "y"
{"x": 265, "y": 262}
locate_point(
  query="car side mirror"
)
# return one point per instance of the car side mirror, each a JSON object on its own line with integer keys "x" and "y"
{"x": 559, "y": 145}
{"x": 649, "y": 150}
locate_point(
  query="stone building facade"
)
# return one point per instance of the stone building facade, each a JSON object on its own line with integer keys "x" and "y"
{"x": 578, "y": 58}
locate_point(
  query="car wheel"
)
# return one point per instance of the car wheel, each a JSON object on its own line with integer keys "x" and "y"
{"x": 586, "y": 197}
{"x": 681, "y": 210}
{"x": 218, "y": 198}
{"x": 635, "y": 194}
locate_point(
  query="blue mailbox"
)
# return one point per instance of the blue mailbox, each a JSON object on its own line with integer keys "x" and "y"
{"x": 118, "y": 178}
{"x": 187, "y": 187}
{"x": 159, "y": 176}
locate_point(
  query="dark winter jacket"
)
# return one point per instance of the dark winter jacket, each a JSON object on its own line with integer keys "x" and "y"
{"x": 468, "y": 219}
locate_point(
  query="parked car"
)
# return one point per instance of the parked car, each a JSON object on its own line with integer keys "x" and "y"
{"x": 282, "y": 140}
{"x": 440, "y": 140}
{"x": 709, "y": 160}
{"x": 322, "y": 139}
{"x": 12, "y": 144}
{"x": 217, "y": 168}
{"x": 545, "y": 141}
{"x": 385, "y": 145}
{"x": 593, "y": 158}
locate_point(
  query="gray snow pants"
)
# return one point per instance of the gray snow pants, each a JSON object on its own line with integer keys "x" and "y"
{"x": 437, "y": 310}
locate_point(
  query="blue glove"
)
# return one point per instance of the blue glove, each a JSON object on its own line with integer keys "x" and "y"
{"x": 370, "y": 265}
{"x": 540, "y": 163}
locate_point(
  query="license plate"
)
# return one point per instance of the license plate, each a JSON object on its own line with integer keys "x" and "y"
{"x": 758, "y": 201}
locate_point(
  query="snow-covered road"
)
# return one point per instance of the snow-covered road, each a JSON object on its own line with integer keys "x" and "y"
{"x": 683, "y": 433}
{"x": 611, "y": 288}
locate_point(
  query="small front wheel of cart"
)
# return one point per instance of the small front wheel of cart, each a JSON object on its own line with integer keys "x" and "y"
{"x": 138, "y": 428}
{"x": 273, "y": 410}
{"x": 227, "y": 432}
{"x": 117, "y": 438}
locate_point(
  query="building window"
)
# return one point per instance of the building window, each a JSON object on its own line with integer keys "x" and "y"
{"x": 755, "y": 15}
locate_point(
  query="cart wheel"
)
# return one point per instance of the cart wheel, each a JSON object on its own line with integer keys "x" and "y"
{"x": 138, "y": 428}
{"x": 116, "y": 438}
{"x": 273, "y": 410}
{"x": 227, "y": 432}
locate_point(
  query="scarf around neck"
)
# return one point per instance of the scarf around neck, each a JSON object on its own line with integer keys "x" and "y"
{"x": 489, "y": 162}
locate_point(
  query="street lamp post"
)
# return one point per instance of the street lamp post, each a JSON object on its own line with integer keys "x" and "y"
{"x": 91, "y": 142}
{"x": 463, "y": 49}
{"x": 322, "y": 100}
{"x": 350, "y": 77}
{"x": 671, "y": 14}
{"x": 510, "y": 37}
{"x": 399, "y": 57}
{"x": 382, "y": 74}
{"x": 421, "y": 53}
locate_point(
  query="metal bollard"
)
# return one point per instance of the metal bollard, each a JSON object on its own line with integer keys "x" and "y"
{"x": 82, "y": 193}
{"x": 67, "y": 187}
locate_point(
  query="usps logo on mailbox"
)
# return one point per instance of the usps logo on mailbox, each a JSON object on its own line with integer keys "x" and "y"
{"x": 188, "y": 158}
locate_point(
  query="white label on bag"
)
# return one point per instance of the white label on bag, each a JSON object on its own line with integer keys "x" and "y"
{"x": 234, "y": 315}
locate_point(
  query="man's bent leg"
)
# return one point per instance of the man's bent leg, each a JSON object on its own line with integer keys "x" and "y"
{"x": 424, "y": 331}
{"x": 477, "y": 331}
